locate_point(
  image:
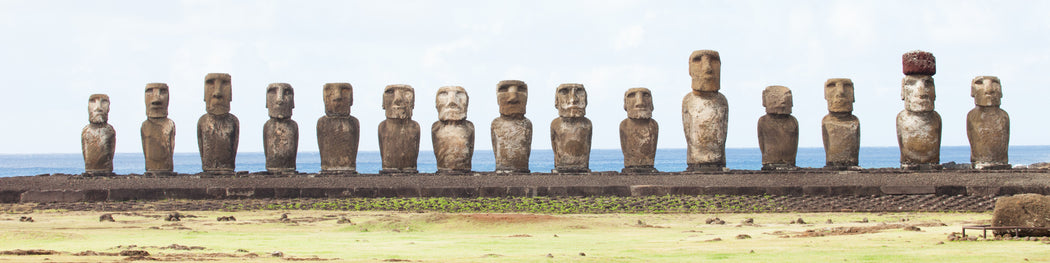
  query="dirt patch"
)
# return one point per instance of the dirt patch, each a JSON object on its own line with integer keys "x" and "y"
{"x": 510, "y": 218}
{"x": 28, "y": 252}
{"x": 853, "y": 230}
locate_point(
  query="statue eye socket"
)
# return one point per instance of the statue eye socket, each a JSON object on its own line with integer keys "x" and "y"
{"x": 502, "y": 89}
{"x": 978, "y": 82}
{"x": 523, "y": 89}
{"x": 289, "y": 92}
{"x": 563, "y": 91}
{"x": 389, "y": 91}
{"x": 647, "y": 95}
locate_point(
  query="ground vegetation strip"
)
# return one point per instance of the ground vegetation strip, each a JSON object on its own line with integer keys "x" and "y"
{"x": 557, "y": 205}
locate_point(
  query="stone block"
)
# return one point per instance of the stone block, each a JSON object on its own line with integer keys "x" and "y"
{"x": 187, "y": 193}
{"x": 135, "y": 194}
{"x": 456, "y": 192}
{"x": 950, "y": 190}
{"x": 1025, "y": 210}
{"x": 649, "y": 190}
{"x": 616, "y": 191}
{"x": 10, "y": 196}
{"x": 908, "y": 190}
{"x": 312, "y": 193}
{"x": 53, "y": 196}
{"x": 493, "y": 191}
{"x": 286, "y": 193}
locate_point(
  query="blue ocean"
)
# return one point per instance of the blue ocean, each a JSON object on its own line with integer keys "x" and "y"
{"x": 667, "y": 160}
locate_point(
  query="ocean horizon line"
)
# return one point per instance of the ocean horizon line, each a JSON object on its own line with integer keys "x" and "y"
{"x": 541, "y": 149}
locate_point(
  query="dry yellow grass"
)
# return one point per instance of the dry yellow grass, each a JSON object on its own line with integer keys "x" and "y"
{"x": 440, "y": 237}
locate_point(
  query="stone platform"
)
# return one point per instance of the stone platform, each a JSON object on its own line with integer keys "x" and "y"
{"x": 804, "y": 182}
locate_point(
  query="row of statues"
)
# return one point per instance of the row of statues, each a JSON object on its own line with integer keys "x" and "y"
{"x": 705, "y": 114}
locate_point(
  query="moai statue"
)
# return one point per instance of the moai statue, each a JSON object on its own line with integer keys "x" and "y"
{"x": 158, "y": 132}
{"x": 98, "y": 140}
{"x": 218, "y": 130}
{"x": 399, "y": 134}
{"x": 452, "y": 134}
{"x": 571, "y": 131}
{"x": 338, "y": 133}
{"x": 918, "y": 125}
{"x": 511, "y": 131}
{"x": 840, "y": 129}
{"x": 705, "y": 114}
{"x": 988, "y": 126}
{"x": 280, "y": 133}
{"x": 638, "y": 132}
{"x": 777, "y": 130}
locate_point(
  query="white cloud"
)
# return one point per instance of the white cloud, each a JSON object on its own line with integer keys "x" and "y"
{"x": 629, "y": 37}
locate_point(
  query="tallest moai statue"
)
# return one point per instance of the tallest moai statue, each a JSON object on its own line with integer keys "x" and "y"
{"x": 705, "y": 114}
{"x": 918, "y": 125}
{"x": 218, "y": 130}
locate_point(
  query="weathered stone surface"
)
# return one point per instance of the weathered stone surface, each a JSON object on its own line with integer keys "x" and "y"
{"x": 571, "y": 131}
{"x": 338, "y": 133}
{"x": 1025, "y": 210}
{"x": 988, "y": 126}
{"x": 399, "y": 134}
{"x": 218, "y": 131}
{"x": 452, "y": 135}
{"x": 158, "y": 132}
{"x": 705, "y": 113}
{"x": 918, "y": 125}
{"x": 777, "y": 130}
{"x": 638, "y": 132}
{"x": 511, "y": 131}
{"x": 98, "y": 139}
{"x": 705, "y": 67}
{"x": 919, "y": 63}
{"x": 840, "y": 129}
{"x": 280, "y": 133}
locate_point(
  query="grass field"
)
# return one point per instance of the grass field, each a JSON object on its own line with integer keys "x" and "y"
{"x": 453, "y": 237}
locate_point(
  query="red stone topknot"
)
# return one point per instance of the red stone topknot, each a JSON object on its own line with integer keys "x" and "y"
{"x": 919, "y": 63}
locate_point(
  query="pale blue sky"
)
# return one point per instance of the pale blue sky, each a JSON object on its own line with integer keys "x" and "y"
{"x": 56, "y": 53}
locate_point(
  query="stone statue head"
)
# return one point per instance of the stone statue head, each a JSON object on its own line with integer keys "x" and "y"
{"x": 218, "y": 92}
{"x": 338, "y": 97}
{"x": 638, "y": 102}
{"x": 571, "y": 100}
{"x": 512, "y": 95}
{"x": 706, "y": 69}
{"x": 280, "y": 100}
{"x": 986, "y": 91}
{"x": 98, "y": 108}
{"x": 452, "y": 103}
{"x": 777, "y": 100}
{"x": 918, "y": 93}
{"x": 839, "y": 94}
{"x": 156, "y": 100}
{"x": 398, "y": 101}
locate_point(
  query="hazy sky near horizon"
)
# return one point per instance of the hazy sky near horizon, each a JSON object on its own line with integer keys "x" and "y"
{"x": 57, "y": 53}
